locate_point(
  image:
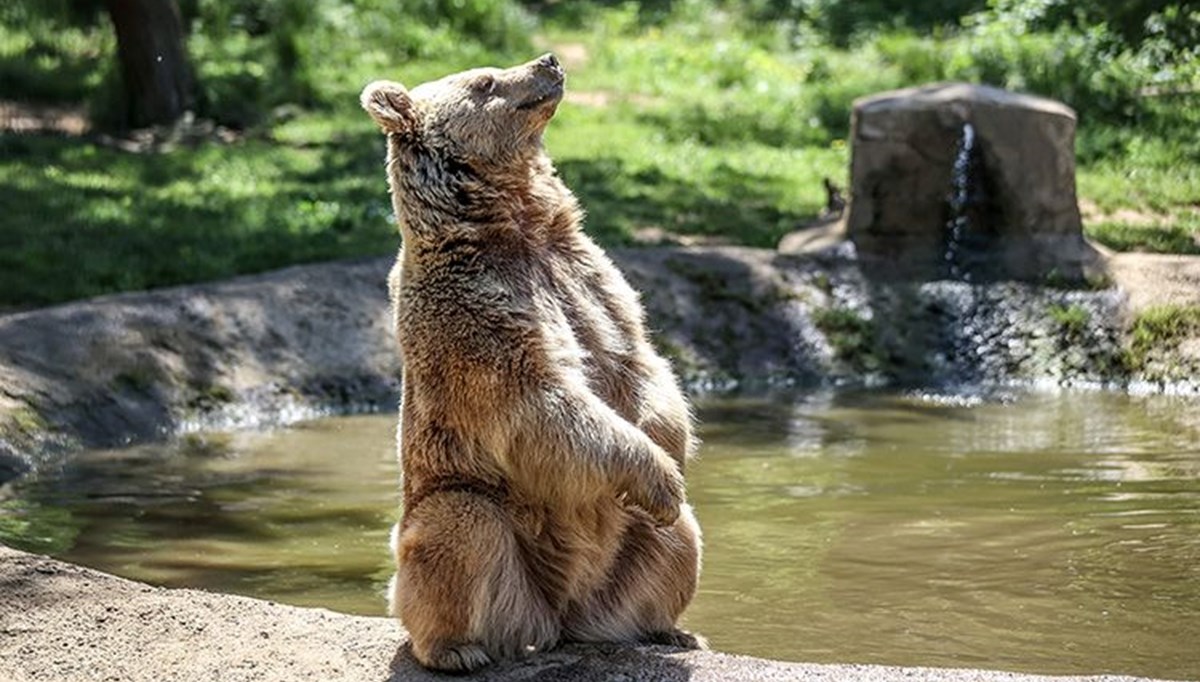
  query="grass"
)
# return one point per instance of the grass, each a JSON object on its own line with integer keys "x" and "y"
{"x": 693, "y": 124}
{"x": 1158, "y": 328}
{"x": 1154, "y": 171}
{"x": 851, "y": 336}
{"x": 1072, "y": 319}
{"x": 1181, "y": 237}
{"x": 82, "y": 219}
{"x": 629, "y": 178}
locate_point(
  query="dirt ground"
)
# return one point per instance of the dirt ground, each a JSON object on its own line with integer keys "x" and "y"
{"x": 1152, "y": 279}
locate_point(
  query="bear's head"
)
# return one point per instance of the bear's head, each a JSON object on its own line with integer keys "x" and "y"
{"x": 466, "y": 151}
{"x": 487, "y": 117}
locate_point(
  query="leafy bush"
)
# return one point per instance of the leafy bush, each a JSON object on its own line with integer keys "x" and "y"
{"x": 252, "y": 55}
{"x": 49, "y": 51}
{"x": 841, "y": 21}
{"x": 255, "y": 55}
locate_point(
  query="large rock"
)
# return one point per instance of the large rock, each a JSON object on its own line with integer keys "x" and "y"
{"x": 1008, "y": 157}
{"x": 140, "y": 366}
{"x": 310, "y": 340}
{"x": 307, "y": 340}
{"x": 65, "y": 623}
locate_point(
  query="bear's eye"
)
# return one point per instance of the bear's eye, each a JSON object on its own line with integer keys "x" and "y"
{"x": 484, "y": 85}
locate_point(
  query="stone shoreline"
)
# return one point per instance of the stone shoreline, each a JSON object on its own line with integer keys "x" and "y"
{"x": 315, "y": 339}
{"x": 66, "y": 623}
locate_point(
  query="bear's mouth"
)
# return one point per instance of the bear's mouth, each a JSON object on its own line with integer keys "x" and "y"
{"x": 551, "y": 93}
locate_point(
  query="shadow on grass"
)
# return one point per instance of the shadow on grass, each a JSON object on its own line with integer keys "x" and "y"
{"x": 740, "y": 207}
{"x": 80, "y": 219}
{"x": 1179, "y": 237}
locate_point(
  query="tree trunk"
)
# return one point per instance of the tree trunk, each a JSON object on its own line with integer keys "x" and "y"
{"x": 155, "y": 73}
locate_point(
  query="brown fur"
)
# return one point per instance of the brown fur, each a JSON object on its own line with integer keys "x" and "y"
{"x": 542, "y": 439}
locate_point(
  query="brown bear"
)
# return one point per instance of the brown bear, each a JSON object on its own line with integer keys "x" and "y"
{"x": 542, "y": 439}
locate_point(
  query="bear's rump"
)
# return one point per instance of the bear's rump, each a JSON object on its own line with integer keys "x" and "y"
{"x": 570, "y": 551}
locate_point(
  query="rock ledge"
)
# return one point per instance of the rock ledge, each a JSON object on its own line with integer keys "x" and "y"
{"x": 63, "y": 622}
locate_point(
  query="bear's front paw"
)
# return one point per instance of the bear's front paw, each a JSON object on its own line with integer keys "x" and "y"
{"x": 662, "y": 496}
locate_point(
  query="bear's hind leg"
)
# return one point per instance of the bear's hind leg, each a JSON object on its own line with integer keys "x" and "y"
{"x": 653, "y": 580}
{"x": 461, "y": 588}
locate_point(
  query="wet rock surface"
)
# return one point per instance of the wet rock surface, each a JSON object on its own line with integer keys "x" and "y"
{"x": 60, "y": 622}
{"x": 141, "y": 366}
{"x": 313, "y": 340}
{"x": 727, "y": 316}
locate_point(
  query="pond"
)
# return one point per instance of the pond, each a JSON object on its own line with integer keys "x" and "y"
{"x": 1039, "y": 533}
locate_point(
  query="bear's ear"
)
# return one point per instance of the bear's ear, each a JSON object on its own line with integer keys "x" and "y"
{"x": 391, "y": 107}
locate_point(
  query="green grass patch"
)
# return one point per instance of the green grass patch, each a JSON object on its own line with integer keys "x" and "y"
{"x": 1159, "y": 328}
{"x": 629, "y": 177}
{"x": 1152, "y": 170}
{"x": 83, "y": 219}
{"x": 1182, "y": 237}
{"x": 1072, "y": 319}
{"x": 694, "y": 118}
{"x": 851, "y": 336}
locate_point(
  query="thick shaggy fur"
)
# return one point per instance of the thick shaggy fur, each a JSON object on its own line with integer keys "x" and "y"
{"x": 542, "y": 439}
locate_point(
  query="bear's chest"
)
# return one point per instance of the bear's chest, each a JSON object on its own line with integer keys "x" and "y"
{"x": 490, "y": 313}
{"x": 468, "y": 314}
{"x": 599, "y": 326}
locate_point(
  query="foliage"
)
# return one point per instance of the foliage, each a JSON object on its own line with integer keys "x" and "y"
{"x": 1182, "y": 237}
{"x": 1080, "y": 68}
{"x": 1072, "y": 319}
{"x": 694, "y": 117}
{"x": 852, "y": 337}
{"x": 1130, "y": 21}
{"x": 1160, "y": 327}
{"x": 841, "y": 21}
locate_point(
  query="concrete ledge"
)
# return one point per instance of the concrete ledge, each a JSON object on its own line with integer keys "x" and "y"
{"x": 66, "y": 623}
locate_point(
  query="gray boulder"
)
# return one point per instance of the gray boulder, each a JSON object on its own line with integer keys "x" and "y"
{"x": 966, "y": 182}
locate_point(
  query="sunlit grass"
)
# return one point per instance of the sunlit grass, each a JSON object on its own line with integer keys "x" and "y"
{"x": 85, "y": 219}
{"x": 697, "y": 126}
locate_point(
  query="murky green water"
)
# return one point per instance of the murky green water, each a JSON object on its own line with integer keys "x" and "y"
{"x": 1052, "y": 534}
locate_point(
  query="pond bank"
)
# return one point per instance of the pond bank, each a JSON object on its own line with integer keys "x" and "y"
{"x": 64, "y": 622}
{"x": 311, "y": 340}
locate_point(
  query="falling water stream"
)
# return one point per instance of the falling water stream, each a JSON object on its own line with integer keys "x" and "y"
{"x": 963, "y": 179}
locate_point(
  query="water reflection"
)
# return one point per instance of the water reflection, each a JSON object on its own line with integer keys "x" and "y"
{"x": 950, "y": 530}
{"x": 1055, "y": 534}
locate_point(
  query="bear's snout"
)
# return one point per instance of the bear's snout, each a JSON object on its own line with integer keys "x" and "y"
{"x": 549, "y": 62}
